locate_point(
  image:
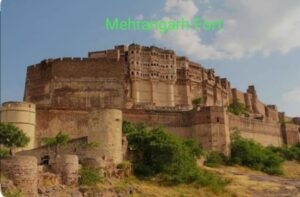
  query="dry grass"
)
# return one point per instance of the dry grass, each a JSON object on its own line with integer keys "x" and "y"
{"x": 153, "y": 189}
{"x": 291, "y": 169}
{"x": 249, "y": 183}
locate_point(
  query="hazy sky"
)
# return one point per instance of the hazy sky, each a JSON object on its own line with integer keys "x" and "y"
{"x": 259, "y": 44}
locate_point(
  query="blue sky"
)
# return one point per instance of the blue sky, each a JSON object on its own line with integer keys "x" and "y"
{"x": 259, "y": 44}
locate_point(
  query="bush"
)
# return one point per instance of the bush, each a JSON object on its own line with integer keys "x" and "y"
{"x": 287, "y": 153}
{"x": 3, "y": 152}
{"x": 214, "y": 159}
{"x": 158, "y": 152}
{"x": 237, "y": 108}
{"x": 167, "y": 157}
{"x": 212, "y": 181}
{"x": 248, "y": 153}
{"x": 89, "y": 176}
{"x": 197, "y": 101}
{"x": 12, "y": 193}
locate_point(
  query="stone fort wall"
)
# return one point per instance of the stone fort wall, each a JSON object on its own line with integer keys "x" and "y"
{"x": 76, "y": 82}
{"x": 150, "y": 85}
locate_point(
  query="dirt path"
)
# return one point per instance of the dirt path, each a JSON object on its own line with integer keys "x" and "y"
{"x": 248, "y": 183}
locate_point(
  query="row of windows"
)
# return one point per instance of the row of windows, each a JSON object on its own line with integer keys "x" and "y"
{"x": 153, "y": 64}
{"x": 153, "y": 53}
{"x": 140, "y": 74}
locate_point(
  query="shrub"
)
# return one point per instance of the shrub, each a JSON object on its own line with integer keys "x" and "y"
{"x": 57, "y": 141}
{"x": 89, "y": 176}
{"x": 197, "y": 101}
{"x": 287, "y": 153}
{"x": 212, "y": 181}
{"x": 167, "y": 157}
{"x": 12, "y": 193}
{"x": 248, "y": 153}
{"x": 237, "y": 108}
{"x": 158, "y": 152}
{"x": 3, "y": 152}
{"x": 214, "y": 159}
{"x": 124, "y": 165}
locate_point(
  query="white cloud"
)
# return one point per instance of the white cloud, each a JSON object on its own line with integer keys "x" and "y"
{"x": 249, "y": 27}
{"x": 187, "y": 40}
{"x": 186, "y": 7}
{"x": 293, "y": 95}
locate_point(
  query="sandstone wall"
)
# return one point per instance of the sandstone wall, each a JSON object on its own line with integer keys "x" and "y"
{"x": 50, "y": 121}
{"x": 262, "y": 131}
{"x": 239, "y": 95}
{"x": 208, "y": 126}
{"x": 105, "y": 128}
{"x": 74, "y": 147}
{"x": 291, "y": 133}
{"x": 76, "y": 82}
{"x": 211, "y": 129}
{"x": 68, "y": 168}
{"x": 23, "y": 171}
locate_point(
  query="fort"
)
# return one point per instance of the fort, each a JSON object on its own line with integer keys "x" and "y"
{"x": 89, "y": 97}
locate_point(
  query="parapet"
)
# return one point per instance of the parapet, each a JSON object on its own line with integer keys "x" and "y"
{"x": 251, "y": 90}
{"x": 296, "y": 120}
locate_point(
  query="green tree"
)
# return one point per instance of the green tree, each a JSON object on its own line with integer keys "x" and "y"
{"x": 236, "y": 107}
{"x": 249, "y": 153}
{"x": 59, "y": 140}
{"x": 12, "y": 137}
{"x": 168, "y": 158}
{"x": 161, "y": 153}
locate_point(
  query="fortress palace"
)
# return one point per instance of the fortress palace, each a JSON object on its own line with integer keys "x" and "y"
{"x": 90, "y": 97}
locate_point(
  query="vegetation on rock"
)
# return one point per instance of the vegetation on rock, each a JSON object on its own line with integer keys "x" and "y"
{"x": 89, "y": 176}
{"x": 237, "y": 108}
{"x": 197, "y": 101}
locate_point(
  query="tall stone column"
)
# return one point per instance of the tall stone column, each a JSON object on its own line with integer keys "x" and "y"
{"x": 135, "y": 91}
{"x": 23, "y": 171}
{"x": 154, "y": 96}
{"x": 171, "y": 94}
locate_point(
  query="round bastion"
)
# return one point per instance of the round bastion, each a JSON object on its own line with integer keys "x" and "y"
{"x": 105, "y": 128}
{"x": 23, "y": 116}
{"x": 23, "y": 171}
{"x": 68, "y": 167}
